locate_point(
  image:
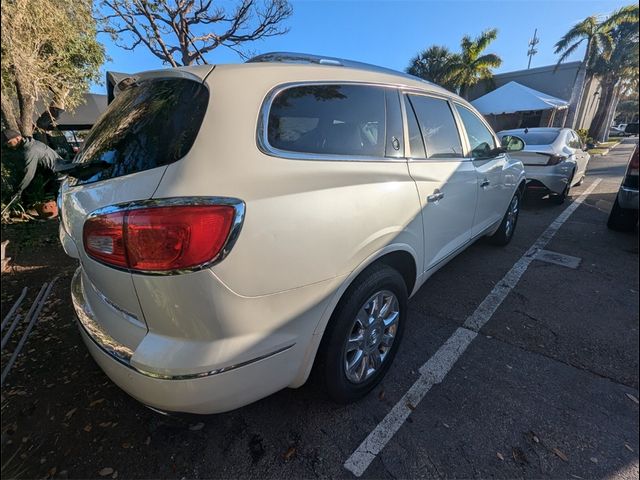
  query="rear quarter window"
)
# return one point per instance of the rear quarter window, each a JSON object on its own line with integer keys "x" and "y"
{"x": 329, "y": 120}
{"x": 150, "y": 124}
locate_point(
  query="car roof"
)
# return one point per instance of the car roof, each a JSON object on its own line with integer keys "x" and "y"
{"x": 284, "y": 67}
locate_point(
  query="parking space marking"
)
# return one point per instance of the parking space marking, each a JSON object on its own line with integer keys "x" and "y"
{"x": 436, "y": 368}
{"x": 561, "y": 259}
{"x": 491, "y": 303}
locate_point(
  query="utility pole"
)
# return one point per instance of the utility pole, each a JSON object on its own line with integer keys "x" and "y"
{"x": 532, "y": 47}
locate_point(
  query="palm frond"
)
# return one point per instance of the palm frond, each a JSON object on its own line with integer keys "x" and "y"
{"x": 490, "y": 60}
{"x": 568, "y": 51}
{"x": 628, "y": 14}
{"x": 486, "y": 38}
{"x": 578, "y": 31}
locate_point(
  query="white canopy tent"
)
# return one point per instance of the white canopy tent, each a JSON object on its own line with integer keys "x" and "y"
{"x": 514, "y": 97}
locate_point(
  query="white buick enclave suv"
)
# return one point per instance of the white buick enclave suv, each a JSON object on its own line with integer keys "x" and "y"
{"x": 237, "y": 225}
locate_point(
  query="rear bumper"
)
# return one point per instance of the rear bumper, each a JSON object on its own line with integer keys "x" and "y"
{"x": 628, "y": 198}
{"x": 211, "y": 391}
{"x": 553, "y": 178}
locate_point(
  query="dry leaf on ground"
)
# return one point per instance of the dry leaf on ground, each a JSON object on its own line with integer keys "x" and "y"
{"x": 560, "y": 454}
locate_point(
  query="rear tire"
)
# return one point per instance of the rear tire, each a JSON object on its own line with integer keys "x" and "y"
{"x": 340, "y": 347}
{"x": 622, "y": 219}
{"x": 560, "y": 198}
{"x": 505, "y": 231}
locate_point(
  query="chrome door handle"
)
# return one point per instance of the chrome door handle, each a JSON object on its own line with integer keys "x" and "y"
{"x": 485, "y": 183}
{"x": 437, "y": 195}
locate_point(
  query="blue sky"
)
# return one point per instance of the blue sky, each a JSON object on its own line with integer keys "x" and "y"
{"x": 390, "y": 32}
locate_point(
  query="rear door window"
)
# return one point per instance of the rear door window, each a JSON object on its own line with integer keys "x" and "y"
{"x": 149, "y": 124}
{"x": 415, "y": 137}
{"x": 481, "y": 140}
{"x": 329, "y": 120}
{"x": 438, "y": 127}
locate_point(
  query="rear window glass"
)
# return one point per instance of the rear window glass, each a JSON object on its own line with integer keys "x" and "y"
{"x": 150, "y": 124}
{"x": 329, "y": 119}
{"x": 537, "y": 138}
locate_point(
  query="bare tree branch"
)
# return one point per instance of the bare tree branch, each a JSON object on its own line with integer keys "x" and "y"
{"x": 187, "y": 29}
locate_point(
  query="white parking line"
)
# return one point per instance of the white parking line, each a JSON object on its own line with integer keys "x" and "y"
{"x": 437, "y": 367}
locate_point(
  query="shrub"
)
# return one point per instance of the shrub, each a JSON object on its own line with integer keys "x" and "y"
{"x": 583, "y": 133}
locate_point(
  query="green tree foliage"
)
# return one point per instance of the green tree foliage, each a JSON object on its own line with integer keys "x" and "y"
{"x": 473, "y": 64}
{"x": 457, "y": 71}
{"x": 49, "y": 54}
{"x": 434, "y": 65}
{"x": 595, "y": 33}
{"x": 616, "y": 71}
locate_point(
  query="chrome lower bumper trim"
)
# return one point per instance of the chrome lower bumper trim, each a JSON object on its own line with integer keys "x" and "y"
{"x": 122, "y": 353}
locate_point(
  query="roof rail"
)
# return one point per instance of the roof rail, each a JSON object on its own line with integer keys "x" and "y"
{"x": 293, "y": 57}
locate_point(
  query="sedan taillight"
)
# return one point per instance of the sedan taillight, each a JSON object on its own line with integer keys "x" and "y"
{"x": 159, "y": 239}
{"x": 556, "y": 159}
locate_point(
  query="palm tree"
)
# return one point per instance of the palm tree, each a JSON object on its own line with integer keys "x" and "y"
{"x": 599, "y": 43}
{"x": 434, "y": 65}
{"x": 471, "y": 65}
{"x": 616, "y": 72}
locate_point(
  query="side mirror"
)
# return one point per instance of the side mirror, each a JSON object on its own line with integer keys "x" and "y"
{"x": 511, "y": 143}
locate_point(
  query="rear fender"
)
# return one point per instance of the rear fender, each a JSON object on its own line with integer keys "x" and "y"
{"x": 312, "y": 349}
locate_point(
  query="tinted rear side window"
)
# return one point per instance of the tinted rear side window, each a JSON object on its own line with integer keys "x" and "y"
{"x": 150, "y": 124}
{"x": 439, "y": 131}
{"x": 480, "y": 138}
{"x": 329, "y": 119}
{"x": 415, "y": 137}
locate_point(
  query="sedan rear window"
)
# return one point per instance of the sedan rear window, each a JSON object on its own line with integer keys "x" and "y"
{"x": 329, "y": 119}
{"x": 537, "y": 138}
{"x": 149, "y": 124}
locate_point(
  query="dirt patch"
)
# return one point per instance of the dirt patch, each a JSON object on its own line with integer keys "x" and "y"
{"x": 61, "y": 416}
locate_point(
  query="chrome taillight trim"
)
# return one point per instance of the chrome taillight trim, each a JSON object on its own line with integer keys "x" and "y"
{"x": 238, "y": 220}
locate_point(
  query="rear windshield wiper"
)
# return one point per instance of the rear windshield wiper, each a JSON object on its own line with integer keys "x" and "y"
{"x": 83, "y": 170}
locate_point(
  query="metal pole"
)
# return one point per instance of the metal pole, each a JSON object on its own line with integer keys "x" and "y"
{"x": 532, "y": 51}
{"x": 13, "y": 309}
{"x": 23, "y": 340}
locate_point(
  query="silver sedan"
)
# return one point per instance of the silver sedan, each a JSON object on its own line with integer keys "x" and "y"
{"x": 555, "y": 159}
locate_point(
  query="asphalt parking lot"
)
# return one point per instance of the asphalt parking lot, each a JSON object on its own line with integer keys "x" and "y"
{"x": 546, "y": 387}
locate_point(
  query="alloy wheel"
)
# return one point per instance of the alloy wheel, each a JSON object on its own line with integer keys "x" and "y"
{"x": 371, "y": 336}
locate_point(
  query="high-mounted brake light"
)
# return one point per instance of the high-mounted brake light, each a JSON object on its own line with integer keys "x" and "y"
{"x": 159, "y": 238}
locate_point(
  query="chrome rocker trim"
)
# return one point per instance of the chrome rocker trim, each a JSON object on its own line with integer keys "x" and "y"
{"x": 121, "y": 353}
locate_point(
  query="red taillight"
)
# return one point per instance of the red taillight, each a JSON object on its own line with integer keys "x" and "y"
{"x": 159, "y": 238}
{"x": 556, "y": 159}
{"x": 103, "y": 239}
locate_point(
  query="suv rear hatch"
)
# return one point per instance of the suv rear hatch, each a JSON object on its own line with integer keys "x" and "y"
{"x": 152, "y": 122}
